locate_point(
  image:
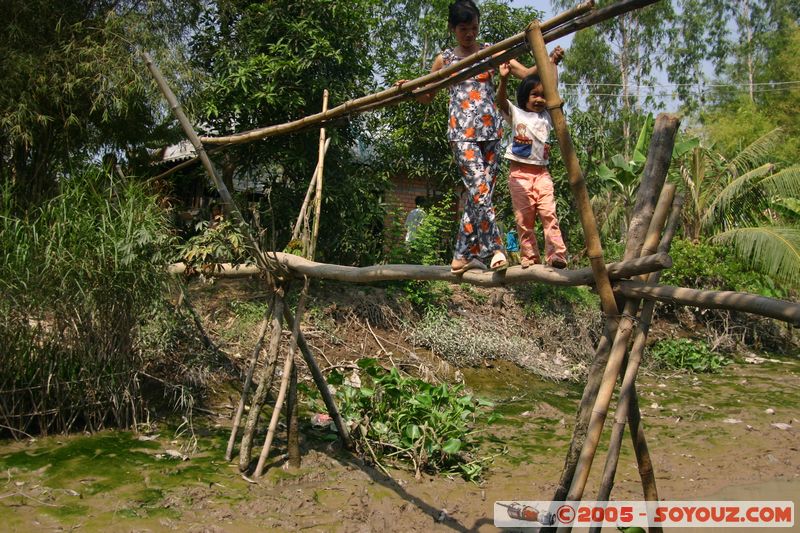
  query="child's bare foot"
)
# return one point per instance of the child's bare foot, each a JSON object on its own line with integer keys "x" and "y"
{"x": 558, "y": 262}
{"x": 528, "y": 262}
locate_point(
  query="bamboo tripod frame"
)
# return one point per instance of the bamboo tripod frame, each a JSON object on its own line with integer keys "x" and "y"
{"x": 645, "y": 255}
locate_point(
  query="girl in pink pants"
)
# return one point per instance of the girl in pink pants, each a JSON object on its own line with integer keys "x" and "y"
{"x": 529, "y": 182}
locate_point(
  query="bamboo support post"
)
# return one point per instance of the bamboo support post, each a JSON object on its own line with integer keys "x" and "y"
{"x": 659, "y": 155}
{"x": 588, "y": 222}
{"x": 322, "y": 385}
{"x": 264, "y": 383}
{"x": 630, "y": 399}
{"x": 287, "y": 370}
{"x": 237, "y": 419}
{"x": 276, "y": 412}
{"x": 627, "y": 408}
{"x": 264, "y": 261}
{"x": 292, "y": 424}
{"x": 312, "y": 186}
{"x": 645, "y": 205}
{"x": 576, "y": 179}
{"x": 320, "y": 175}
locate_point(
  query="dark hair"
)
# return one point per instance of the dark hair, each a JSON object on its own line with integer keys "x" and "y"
{"x": 525, "y": 88}
{"x": 462, "y": 11}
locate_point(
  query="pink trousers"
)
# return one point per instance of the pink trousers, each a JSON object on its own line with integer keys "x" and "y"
{"x": 531, "y": 190}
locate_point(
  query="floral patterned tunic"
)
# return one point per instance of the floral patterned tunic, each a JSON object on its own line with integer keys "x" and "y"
{"x": 473, "y": 113}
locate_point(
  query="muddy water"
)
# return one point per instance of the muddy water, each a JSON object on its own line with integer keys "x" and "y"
{"x": 709, "y": 437}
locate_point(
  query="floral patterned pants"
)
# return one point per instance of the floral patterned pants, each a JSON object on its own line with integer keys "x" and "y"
{"x": 479, "y": 163}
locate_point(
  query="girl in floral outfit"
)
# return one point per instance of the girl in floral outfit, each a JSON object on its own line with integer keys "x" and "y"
{"x": 474, "y": 132}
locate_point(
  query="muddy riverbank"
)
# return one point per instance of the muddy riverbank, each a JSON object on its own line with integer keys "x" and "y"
{"x": 710, "y": 436}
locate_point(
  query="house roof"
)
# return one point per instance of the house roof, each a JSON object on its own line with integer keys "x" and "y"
{"x": 175, "y": 153}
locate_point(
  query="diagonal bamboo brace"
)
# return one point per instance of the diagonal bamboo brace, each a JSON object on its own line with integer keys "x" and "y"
{"x": 576, "y": 178}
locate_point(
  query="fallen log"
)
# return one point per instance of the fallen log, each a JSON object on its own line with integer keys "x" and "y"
{"x": 733, "y": 301}
{"x": 299, "y": 267}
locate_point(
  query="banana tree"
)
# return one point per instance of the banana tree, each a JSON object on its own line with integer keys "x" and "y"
{"x": 619, "y": 183}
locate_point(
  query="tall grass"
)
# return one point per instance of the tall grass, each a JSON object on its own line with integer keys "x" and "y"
{"x": 77, "y": 275}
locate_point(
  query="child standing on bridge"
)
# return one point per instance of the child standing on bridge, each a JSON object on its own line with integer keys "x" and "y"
{"x": 529, "y": 182}
{"x": 474, "y": 132}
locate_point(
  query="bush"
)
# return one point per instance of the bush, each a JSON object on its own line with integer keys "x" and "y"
{"x": 400, "y": 418}
{"x": 432, "y": 245}
{"x": 685, "y": 354}
{"x": 79, "y": 275}
{"x": 220, "y": 242}
{"x": 707, "y": 266}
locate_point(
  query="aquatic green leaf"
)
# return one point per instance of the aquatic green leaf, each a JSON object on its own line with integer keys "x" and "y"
{"x": 452, "y": 446}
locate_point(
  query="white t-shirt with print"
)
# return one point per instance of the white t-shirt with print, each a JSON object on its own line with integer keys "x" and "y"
{"x": 529, "y": 134}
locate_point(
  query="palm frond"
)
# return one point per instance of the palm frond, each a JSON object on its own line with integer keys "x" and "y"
{"x": 732, "y": 192}
{"x": 754, "y": 153}
{"x": 785, "y": 183}
{"x": 773, "y": 250}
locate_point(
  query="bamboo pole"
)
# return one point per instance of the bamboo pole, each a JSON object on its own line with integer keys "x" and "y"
{"x": 276, "y": 413}
{"x": 292, "y": 424}
{"x": 630, "y": 398}
{"x": 311, "y": 188}
{"x": 287, "y": 370}
{"x": 659, "y": 155}
{"x": 356, "y": 105}
{"x": 264, "y": 261}
{"x": 299, "y": 267}
{"x": 627, "y": 409}
{"x": 264, "y": 383}
{"x": 645, "y": 204}
{"x": 237, "y": 419}
{"x": 576, "y": 179}
{"x": 634, "y": 416}
{"x": 320, "y": 175}
{"x": 733, "y": 301}
{"x": 322, "y": 385}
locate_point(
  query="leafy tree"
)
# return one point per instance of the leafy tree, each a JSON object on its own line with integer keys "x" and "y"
{"x": 736, "y": 120}
{"x": 628, "y": 44}
{"x": 269, "y": 63}
{"x": 73, "y": 86}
